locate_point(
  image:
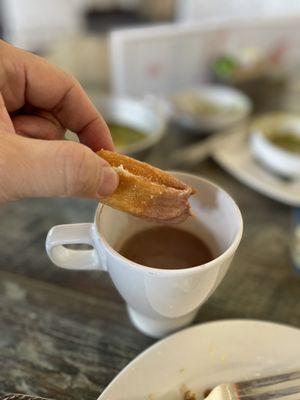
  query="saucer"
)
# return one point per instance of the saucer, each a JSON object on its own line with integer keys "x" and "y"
{"x": 233, "y": 153}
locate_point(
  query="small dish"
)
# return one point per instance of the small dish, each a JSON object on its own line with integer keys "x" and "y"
{"x": 275, "y": 142}
{"x": 142, "y": 120}
{"x": 210, "y": 108}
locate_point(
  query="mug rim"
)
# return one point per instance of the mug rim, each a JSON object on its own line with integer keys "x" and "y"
{"x": 202, "y": 267}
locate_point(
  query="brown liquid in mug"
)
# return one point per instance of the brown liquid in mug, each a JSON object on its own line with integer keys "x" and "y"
{"x": 166, "y": 247}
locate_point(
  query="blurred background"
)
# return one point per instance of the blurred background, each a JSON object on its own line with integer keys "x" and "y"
{"x": 133, "y": 47}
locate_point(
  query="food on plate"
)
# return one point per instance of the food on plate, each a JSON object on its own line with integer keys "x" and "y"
{"x": 286, "y": 140}
{"x": 193, "y": 103}
{"x": 207, "y": 392}
{"x": 188, "y": 395}
{"x": 124, "y": 136}
{"x": 146, "y": 191}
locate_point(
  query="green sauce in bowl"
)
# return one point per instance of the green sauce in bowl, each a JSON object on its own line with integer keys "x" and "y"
{"x": 124, "y": 136}
{"x": 286, "y": 141}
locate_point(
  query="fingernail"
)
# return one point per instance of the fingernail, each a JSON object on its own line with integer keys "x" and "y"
{"x": 109, "y": 182}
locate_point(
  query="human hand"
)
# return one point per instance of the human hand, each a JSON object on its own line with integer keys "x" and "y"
{"x": 40, "y": 101}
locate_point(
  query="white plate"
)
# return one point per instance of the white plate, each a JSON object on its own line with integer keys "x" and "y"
{"x": 234, "y": 155}
{"x": 205, "y": 355}
{"x": 223, "y": 96}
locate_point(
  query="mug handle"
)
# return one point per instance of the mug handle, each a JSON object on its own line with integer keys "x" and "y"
{"x": 62, "y": 235}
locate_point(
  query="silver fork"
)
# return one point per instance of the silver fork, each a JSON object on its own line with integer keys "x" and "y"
{"x": 270, "y": 387}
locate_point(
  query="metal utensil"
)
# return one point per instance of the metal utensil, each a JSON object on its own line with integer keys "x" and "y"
{"x": 193, "y": 154}
{"x": 270, "y": 387}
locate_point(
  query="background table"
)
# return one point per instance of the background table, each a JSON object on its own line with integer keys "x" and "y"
{"x": 66, "y": 334}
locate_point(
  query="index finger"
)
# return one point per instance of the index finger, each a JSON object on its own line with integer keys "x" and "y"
{"x": 52, "y": 89}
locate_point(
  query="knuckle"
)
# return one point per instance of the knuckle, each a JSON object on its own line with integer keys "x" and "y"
{"x": 76, "y": 168}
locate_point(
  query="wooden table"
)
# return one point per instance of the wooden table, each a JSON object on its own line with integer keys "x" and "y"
{"x": 66, "y": 334}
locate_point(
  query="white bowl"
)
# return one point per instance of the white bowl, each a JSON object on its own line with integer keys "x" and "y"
{"x": 219, "y": 95}
{"x": 141, "y": 115}
{"x": 274, "y": 157}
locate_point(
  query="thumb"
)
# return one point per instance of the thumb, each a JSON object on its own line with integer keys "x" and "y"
{"x": 57, "y": 168}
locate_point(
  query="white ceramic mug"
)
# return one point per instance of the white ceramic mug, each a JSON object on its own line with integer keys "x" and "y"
{"x": 159, "y": 301}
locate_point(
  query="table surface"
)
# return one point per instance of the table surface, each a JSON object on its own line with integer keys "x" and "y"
{"x": 66, "y": 334}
